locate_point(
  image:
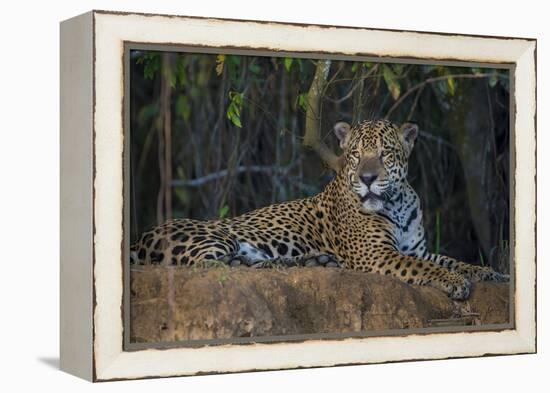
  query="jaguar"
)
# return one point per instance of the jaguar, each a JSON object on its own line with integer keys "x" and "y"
{"x": 368, "y": 218}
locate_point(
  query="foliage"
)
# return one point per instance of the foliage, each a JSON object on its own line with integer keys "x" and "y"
{"x": 151, "y": 64}
{"x": 234, "y": 108}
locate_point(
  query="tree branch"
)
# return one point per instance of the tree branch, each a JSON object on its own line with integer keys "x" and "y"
{"x": 224, "y": 172}
{"x": 431, "y": 80}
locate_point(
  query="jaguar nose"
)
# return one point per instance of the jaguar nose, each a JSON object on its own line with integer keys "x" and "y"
{"x": 368, "y": 178}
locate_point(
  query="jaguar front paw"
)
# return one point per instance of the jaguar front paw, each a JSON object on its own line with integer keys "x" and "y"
{"x": 457, "y": 287}
{"x": 461, "y": 291}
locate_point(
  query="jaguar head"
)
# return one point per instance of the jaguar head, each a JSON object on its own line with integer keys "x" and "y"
{"x": 375, "y": 159}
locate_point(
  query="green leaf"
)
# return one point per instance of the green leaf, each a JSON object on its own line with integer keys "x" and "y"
{"x": 222, "y": 213}
{"x": 151, "y": 63}
{"x": 237, "y": 121}
{"x": 301, "y": 101}
{"x": 236, "y": 97}
{"x": 451, "y": 85}
{"x": 233, "y": 112}
{"x": 288, "y": 63}
{"x": 391, "y": 82}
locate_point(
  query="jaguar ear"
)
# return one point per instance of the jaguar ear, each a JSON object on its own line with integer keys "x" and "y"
{"x": 409, "y": 132}
{"x": 342, "y": 131}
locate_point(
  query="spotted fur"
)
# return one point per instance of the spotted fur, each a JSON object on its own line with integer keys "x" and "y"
{"x": 368, "y": 219}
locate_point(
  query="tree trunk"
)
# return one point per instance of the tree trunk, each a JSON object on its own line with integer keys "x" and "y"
{"x": 312, "y": 135}
{"x": 471, "y": 130}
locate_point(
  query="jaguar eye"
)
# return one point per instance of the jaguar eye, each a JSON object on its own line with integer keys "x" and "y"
{"x": 354, "y": 159}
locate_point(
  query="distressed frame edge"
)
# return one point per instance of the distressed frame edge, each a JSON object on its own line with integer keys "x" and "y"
{"x": 525, "y": 203}
{"x": 527, "y": 341}
{"x": 304, "y": 24}
{"x": 76, "y": 196}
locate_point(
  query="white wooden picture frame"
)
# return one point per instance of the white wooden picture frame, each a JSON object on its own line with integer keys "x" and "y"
{"x": 92, "y": 193}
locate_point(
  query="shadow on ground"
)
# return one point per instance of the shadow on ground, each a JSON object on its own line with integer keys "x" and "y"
{"x": 52, "y": 362}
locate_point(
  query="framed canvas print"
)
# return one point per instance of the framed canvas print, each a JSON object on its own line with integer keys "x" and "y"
{"x": 244, "y": 195}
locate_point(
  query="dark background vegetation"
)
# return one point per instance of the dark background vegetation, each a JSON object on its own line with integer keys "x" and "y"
{"x": 213, "y": 136}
